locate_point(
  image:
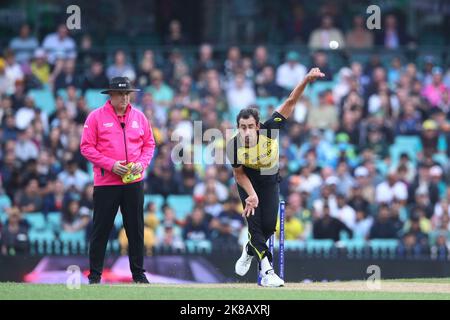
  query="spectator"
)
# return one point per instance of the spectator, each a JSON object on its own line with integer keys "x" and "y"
{"x": 170, "y": 239}
{"x": 357, "y": 200}
{"x": 24, "y": 45}
{"x": 25, "y": 148}
{"x": 55, "y": 198}
{"x": 67, "y": 77}
{"x": 95, "y": 78}
{"x": 290, "y": 73}
{"x": 321, "y": 38}
{"x": 212, "y": 206}
{"x": 233, "y": 63}
{"x": 344, "y": 212}
{"x": 162, "y": 93}
{"x": 320, "y": 60}
{"x": 324, "y": 116}
{"x": 176, "y": 67}
{"x": 10, "y": 131}
{"x": 363, "y": 225}
{"x": 60, "y": 43}
{"x": 328, "y": 227}
{"x": 75, "y": 218}
{"x": 13, "y": 72}
{"x": 121, "y": 68}
{"x": 227, "y": 227}
{"x": 146, "y": 67}
{"x": 14, "y": 236}
{"x": 266, "y": 85}
{"x": 293, "y": 226}
{"x": 205, "y": 61}
{"x": 260, "y": 59}
{"x": 4, "y": 81}
{"x": 434, "y": 92}
{"x": 197, "y": 226}
{"x": 210, "y": 179}
{"x": 383, "y": 227}
{"x": 414, "y": 227}
{"x": 29, "y": 199}
{"x": 390, "y": 35}
{"x": 359, "y": 37}
{"x": 390, "y": 189}
{"x": 240, "y": 95}
{"x": 175, "y": 36}
{"x": 73, "y": 178}
{"x": 40, "y": 68}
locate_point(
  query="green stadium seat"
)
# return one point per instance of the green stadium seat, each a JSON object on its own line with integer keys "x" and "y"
{"x": 41, "y": 239}
{"x": 113, "y": 246}
{"x": 5, "y": 202}
{"x": 291, "y": 245}
{"x": 63, "y": 93}
{"x": 73, "y": 239}
{"x": 319, "y": 245}
{"x": 94, "y": 98}
{"x": 181, "y": 204}
{"x": 353, "y": 245}
{"x": 408, "y": 141}
{"x": 44, "y": 100}
{"x": 36, "y": 220}
{"x": 3, "y": 217}
{"x": 54, "y": 220}
{"x": 382, "y": 245}
{"x": 196, "y": 246}
{"x": 396, "y": 150}
{"x": 118, "y": 221}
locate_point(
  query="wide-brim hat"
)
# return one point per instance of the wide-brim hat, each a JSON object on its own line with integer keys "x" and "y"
{"x": 120, "y": 84}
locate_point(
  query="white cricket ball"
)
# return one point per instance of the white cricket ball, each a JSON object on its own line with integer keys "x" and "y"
{"x": 334, "y": 44}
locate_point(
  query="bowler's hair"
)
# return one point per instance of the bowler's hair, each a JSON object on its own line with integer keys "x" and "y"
{"x": 247, "y": 113}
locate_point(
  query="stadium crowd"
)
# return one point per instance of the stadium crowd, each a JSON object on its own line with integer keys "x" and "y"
{"x": 364, "y": 157}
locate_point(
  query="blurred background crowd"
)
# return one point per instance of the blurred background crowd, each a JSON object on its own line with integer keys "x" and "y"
{"x": 365, "y": 155}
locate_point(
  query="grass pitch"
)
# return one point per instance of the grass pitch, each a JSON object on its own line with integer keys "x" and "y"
{"x": 416, "y": 289}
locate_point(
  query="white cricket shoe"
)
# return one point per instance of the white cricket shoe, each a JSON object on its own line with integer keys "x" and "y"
{"x": 244, "y": 262}
{"x": 271, "y": 279}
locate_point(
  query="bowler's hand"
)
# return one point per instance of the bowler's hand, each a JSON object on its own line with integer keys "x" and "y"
{"x": 314, "y": 74}
{"x": 119, "y": 168}
{"x": 137, "y": 168}
{"x": 250, "y": 204}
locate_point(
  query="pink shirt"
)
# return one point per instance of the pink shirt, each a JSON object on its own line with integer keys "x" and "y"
{"x": 104, "y": 141}
{"x": 434, "y": 94}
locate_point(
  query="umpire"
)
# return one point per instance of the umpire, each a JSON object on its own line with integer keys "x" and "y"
{"x": 118, "y": 140}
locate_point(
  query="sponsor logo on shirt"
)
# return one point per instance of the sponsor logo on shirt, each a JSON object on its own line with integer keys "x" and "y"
{"x": 134, "y": 125}
{"x": 108, "y": 124}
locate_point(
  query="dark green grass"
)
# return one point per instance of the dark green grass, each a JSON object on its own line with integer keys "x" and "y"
{"x": 14, "y": 291}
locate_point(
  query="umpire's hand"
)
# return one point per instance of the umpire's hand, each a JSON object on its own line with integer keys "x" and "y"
{"x": 120, "y": 169}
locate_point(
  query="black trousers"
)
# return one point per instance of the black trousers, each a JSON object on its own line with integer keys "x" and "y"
{"x": 262, "y": 224}
{"x": 107, "y": 200}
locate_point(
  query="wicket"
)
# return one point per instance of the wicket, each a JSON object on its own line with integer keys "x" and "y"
{"x": 280, "y": 245}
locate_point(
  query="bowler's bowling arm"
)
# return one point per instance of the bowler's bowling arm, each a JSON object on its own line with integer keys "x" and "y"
{"x": 288, "y": 105}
